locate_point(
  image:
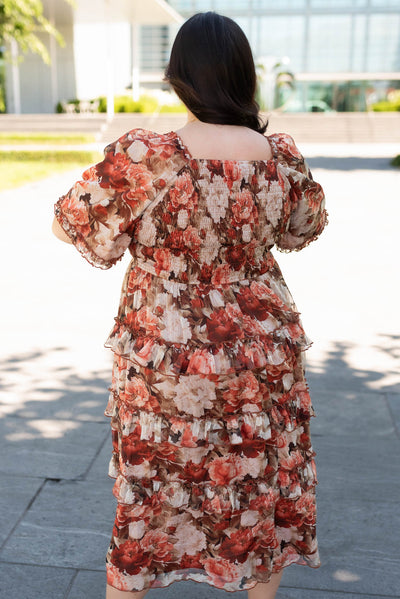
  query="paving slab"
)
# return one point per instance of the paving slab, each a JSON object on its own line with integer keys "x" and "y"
{"x": 352, "y": 163}
{"x": 394, "y": 406}
{"x": 357, "y": 497}
{"x": 361, "y": 469}
{"x": 21, "y": 581}
{"x": 68, "y": 525}
{"x": 334, "y": 371}
{"x": 364, "y": 574}
{"x": 16, "y": 494}
{"x": 344, "y": 412}
{"x": 99, "y": 467}
{"x": 88, "y": 584}
{"x": 49, "y": 448}
{"x": 358, "y": 553}
{"x": 59, "y": 393}
{"x": 344, "y": 284}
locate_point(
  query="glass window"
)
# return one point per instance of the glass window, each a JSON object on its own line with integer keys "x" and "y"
{"x": 386, "y": 3}
{"x": 154, "y": 42}
{"x": 329, "y": 43}
{"x": 337, "y": 3}
{"x": 284, "y": 4}
{"x": 383, "y": 43}
{"x": 203, "y": 5}
{"x": 182, "y": 5}
{"x": 231, "y": 6}
{"x": 359, "y": 54}
{"x": 281, "y": 37}
{"x": 246, "y": 23}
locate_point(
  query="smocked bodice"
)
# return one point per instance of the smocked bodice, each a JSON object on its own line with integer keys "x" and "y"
{"x": 203, "y": 293}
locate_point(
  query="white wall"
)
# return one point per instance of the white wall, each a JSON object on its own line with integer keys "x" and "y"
{"x": 81, "y": 67}
{"x": 35, "y": 78}
{"x": 92, "y": 45}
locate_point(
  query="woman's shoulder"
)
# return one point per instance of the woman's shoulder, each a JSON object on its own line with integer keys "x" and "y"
{"x": 147, "y": 134}
{"x": 285, "y": 144}
{"x": 141, "y": 144}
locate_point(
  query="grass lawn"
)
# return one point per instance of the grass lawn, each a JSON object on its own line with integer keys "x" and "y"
{"x": 11, "y": 138}
{"x": 17, "y": 168}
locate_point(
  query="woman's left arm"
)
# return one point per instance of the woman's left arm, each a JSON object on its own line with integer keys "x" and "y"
{"x": 99, "y": 212}
{"x": 59, "y": 232}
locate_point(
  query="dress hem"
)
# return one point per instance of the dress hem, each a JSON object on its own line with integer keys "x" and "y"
{"x": 300, "y": 562}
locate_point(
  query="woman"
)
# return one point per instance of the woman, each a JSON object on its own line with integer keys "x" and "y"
{"x": 210, "y": 411}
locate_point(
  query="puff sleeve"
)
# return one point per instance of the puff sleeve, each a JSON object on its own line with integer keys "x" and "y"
{"x": 306, "y": 216}
{"x": 99, "y": 212}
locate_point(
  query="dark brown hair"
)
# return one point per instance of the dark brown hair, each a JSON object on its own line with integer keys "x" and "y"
{"x": 212, "y": 71}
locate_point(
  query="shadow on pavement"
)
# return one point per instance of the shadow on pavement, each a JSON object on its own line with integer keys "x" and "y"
{"x": 336, "y": 372}
{"x": 351, "y": 163}
{"x": 58, "y": 509}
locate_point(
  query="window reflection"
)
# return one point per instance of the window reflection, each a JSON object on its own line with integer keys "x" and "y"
{"x": 386, "y": 3}
{"x": 331, "y": 38}
{"x": 282, "y": 4}
{"x": 282, "y": 36}
{"x": 329, "y": 43}
{"x": 384, "y": 43}
{"x": 335, "y": 4}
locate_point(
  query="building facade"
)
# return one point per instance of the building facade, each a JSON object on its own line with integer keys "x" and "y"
{"x": 311, "y": 55}
{"x": 344, "y": 54}
{"x": 100, "y": 55}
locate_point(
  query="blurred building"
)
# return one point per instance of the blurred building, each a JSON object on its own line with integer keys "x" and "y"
{"x": 344, "y": 54}
{"x": 100, "y": 57}
{"x": 313, "y": 55}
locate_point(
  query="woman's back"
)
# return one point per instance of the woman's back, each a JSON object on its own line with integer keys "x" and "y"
{"x": 224, "y": 142}
{"x": 202, "y": 227}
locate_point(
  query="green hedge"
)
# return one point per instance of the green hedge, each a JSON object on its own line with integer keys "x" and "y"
{"x": 146, "y": 104}
{"x": 396, "y": 161}
{"x": 386, "y": 106}
{"x": 390, "y": 104}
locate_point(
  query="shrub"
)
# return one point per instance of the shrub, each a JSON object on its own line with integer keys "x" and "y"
{"x": 102, "y": 104}
{"x": 173, "y": 108}
{"x": 127, "y": 104}
{"x": 396, "y": 160}
{"x": 391, "y": 104}
{"x": 146, "y": 104}
{"x": 2, "y": 101}
{"x": 385, "y": 106}
{"x": 62, "y": 107}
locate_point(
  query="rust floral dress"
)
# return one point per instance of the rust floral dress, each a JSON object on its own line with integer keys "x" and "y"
{"x": 210, "y": 411}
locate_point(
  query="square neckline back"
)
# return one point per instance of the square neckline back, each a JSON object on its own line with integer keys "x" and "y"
{"x": 189, "y": 156}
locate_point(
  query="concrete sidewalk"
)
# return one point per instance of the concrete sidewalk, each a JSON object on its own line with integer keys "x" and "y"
{"x": 57, "y": 509}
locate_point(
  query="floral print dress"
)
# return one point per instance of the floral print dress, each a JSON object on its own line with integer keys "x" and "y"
{"x": 210, "y": 411}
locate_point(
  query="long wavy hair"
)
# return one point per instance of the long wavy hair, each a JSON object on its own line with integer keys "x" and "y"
{"x": 212, "y": 71}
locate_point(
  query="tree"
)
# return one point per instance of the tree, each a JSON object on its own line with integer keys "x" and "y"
{"x": 22, "y": 21}
{"x": 275, "y": 82}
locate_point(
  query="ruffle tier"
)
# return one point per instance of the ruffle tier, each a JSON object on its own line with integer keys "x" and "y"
{"x": 190, "y": 433}
{"x": 195, "y": 432}
{"x": 208, "y": 498}
{"x": 177, "y": 328}
{"x": 274, "y": 469}
{"x": 272, "y": 353}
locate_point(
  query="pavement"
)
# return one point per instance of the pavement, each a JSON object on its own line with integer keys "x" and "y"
{"x": 57, "y": 508}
